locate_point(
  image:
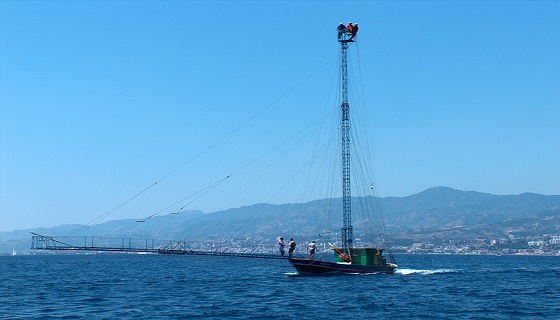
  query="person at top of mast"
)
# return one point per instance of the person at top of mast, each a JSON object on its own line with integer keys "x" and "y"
{"x": 340, "y": 29}
{"x": 354, "y": 31}
{"x": 349, "y": 28}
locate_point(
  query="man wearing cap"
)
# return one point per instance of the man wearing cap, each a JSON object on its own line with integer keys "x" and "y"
{"x": 311, "y": 248}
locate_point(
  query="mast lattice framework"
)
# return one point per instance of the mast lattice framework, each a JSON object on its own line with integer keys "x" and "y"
{"x": 347, "y": 230}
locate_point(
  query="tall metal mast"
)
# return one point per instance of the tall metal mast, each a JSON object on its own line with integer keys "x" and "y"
{"x": 347, "y": 231}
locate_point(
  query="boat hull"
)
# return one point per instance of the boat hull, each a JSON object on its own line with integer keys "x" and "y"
{"x": 318, "y": 267}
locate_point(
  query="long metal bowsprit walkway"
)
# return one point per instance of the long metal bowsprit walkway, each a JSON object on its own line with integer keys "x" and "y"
{"x": 49, "y": 243}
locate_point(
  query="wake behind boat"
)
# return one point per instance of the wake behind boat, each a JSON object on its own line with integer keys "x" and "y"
{"x": 347, "y": 258}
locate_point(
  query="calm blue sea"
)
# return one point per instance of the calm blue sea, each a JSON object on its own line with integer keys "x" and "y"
{"x": 126, "y": 286}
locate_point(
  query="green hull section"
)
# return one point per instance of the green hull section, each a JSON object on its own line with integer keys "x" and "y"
{"x": 361, "y": 256}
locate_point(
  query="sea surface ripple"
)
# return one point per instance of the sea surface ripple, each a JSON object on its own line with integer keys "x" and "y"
{"x": 131, "y": 286}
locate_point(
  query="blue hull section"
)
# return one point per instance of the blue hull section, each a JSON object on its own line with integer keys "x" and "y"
{"x": 318, "y": 267}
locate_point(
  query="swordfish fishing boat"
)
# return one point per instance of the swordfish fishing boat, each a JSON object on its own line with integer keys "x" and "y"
{"x": 347, "y": 257}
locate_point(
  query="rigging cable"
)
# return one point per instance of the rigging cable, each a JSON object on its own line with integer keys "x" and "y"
{"x": 208, "y": 188}
{"x": 113, "y": 210}
{"x": 200, "y": 193}
{"x": 371, "y": 202}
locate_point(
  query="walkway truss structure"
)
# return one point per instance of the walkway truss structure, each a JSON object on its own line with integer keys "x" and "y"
{"x": 49, "y": 243}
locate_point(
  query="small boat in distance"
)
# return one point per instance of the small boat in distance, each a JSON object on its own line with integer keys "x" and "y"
{"x": 347, "y": 258}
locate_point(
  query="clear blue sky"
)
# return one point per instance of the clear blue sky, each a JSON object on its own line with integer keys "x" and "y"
{"x": 100, "y": 99}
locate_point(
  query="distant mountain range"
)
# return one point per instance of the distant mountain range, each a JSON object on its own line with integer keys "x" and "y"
{"x": 436, "y": 212}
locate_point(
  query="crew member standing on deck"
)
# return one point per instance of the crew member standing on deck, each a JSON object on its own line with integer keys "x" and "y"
{"x": 292, "y": 247}
{"x": 311, "y": 248}
{"x": 281, "y": 246}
